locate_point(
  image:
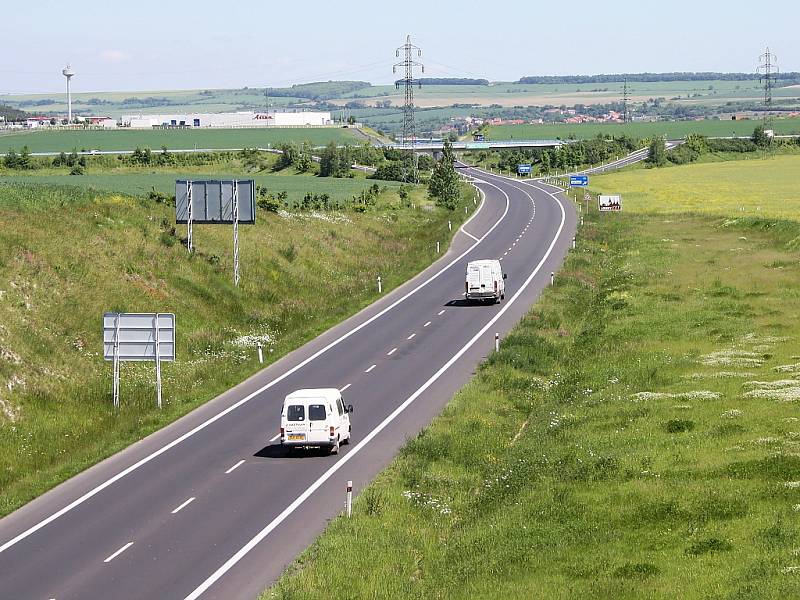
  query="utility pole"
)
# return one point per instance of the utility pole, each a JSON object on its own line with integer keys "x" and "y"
{"x": 767, "y": 70}
{"x": 408, "y": 65}
{"x": 625, "y": 97}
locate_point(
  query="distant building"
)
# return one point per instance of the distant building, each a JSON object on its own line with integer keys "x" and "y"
{"x": 237, "y": 119}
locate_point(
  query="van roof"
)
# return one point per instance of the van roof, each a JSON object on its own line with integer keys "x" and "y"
{"x": 330, "y": 394}
{"x": 484, "y": 261}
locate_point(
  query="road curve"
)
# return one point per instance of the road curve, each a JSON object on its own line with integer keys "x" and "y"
{"x": 209, "y": 507}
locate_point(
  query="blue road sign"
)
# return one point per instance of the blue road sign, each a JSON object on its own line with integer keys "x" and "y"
{"x": 523, "y": 169}
{"x": 578, "y": 180}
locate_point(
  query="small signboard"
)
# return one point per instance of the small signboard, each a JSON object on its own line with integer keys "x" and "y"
{"x": 212, "y": 201}
{"x": 524, "y": 169}
{"x": 609, "y": 203}
{"x": 578, "y": 180}
{"x": 135, "y": 334}
{"x": 587, "y": 196}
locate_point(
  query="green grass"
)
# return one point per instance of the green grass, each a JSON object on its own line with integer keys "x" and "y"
{"x": 672, "y": 129}
{"x": 764, "y": 187}
{"x": 67, "y": 254}
{"x": 620, "y": 444}
{"x": 174, "y": 139}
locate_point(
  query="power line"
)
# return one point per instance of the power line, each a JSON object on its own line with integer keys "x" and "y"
{"x": 408, "y": 65}
{"x": 767, "y": 71}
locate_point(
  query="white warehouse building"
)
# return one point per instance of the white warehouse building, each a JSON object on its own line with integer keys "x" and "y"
{"x": 236, "y": 119}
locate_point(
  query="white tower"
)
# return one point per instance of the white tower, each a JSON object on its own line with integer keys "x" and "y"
{"x": 69, "y": 74}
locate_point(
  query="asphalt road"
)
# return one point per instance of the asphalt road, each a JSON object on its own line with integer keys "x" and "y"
{"x": 210, "y": 507}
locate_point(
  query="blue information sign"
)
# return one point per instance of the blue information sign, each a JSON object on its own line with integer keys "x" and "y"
{"x": 578, "y": 180}
{"x": 523, "y": 169}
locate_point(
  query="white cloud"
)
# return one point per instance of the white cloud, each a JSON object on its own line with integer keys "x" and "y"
{"x": 114, "y": 56}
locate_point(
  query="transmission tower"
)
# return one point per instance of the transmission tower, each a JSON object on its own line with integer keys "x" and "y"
{"x": 408, "y": 49}
{"x": 767, "y": 70}
{"x": 625, "y": 98}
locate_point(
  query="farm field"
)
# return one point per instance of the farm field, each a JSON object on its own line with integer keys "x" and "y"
{"x": 174, "y": 139}
{"x": 764, "y": 187}
{"x": 635, "y": 437}
{"x": 67, "y": 254}
{"x": 140, "y": 183}
{"x": 672, "y": 129}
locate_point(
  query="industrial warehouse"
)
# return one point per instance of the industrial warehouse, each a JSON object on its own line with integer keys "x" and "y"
{"x": 228, "y": 120}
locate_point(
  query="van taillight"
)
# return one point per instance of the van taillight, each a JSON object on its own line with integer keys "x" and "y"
{"x": 283, "y": 431}
{"x": 466, "y": 286}
{"x": 333, "y": 431}
{"x": 495, "y": 286}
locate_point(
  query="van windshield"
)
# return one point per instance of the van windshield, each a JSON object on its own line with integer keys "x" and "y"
{"x": 316, "y": 412}
{"x": 296, "y": 412}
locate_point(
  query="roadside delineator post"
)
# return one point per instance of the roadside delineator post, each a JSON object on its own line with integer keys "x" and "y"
{"x": 497, "y": 342}
{"x": 349, "y": 502}
{"x": 260, "y": 353}
{"x": 449, "y": 226}
{"x": 552, "y": 278}
{"x": 573, "y": 242}
{"x": 380, "y": 287}
{"x": 437, "y": 247}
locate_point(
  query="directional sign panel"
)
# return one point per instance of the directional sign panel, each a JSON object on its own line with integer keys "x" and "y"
{"x": 212, "y": 201}
{"x": 477, "y": 146}
{"x": 578, "y": 180}
{"x": 136, "y": 335}
{"x": 523, "y": 169}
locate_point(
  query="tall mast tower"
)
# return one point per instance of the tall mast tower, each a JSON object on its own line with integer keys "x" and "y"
{"x": 69, "y": 74}
{"x": 408, "y": 49}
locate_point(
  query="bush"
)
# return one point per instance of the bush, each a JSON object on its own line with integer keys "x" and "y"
{"x": 76, "y": 170}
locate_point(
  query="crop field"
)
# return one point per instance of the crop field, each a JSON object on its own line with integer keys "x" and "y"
{"x": 764, "y": 187}
{"x": 137, "y": 184}
{"x": 174, "y": 139}
{"x": 671, "y": 129}
{"x": 67, "y": 254}
{"x": 635, "y": 437}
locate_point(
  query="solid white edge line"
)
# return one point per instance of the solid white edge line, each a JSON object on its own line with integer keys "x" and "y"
{"x": 96, "y": 490}
{"x": 182, "y": 506}
{"x": 370, "y": 369}
{"x": 118, "y": 552}
{"x": 345, "y": 387}
{"x": 380, "y": 427}
{"x": 241, "y": 462}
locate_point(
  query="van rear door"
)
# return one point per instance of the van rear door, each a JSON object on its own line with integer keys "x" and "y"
{"x": 318, "y": 422}
{"x": 296, "y": 423}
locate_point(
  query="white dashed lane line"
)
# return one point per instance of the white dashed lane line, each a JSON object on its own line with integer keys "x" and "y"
{"x": 392, "y": 351}
{"x": 441, "y": 312}
{"x": 118, "y": 552}
{"x": 411, "y": 337}
{"x": 239, "y": 464}
{"x": 426, "y": 324}
{"x": 370, "y": 369}
{"x": 345, "y": 387}
{"x": 177, "y": 509}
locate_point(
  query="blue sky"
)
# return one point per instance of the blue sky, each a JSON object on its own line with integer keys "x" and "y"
{"x": 175, "y": 44}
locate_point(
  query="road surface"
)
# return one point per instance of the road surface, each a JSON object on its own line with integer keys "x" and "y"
{"x": 211, "y": 506}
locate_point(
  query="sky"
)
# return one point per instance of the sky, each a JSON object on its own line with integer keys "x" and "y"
{"x": 177, "y": 44}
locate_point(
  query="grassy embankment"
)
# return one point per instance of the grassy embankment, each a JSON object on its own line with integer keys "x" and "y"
{"x": 635, "y": 437}
{"x": 67, "y": 254}
{"x": 672, "y": 129}
{"x": 174, "y": 139}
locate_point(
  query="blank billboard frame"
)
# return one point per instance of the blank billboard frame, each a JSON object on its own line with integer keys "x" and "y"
{"x": 212, "y": 201}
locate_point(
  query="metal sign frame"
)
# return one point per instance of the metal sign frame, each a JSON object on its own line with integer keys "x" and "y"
{"x": 138, "y": 337}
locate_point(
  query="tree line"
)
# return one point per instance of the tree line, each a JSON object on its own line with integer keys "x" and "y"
{"x": 653, "y": 77}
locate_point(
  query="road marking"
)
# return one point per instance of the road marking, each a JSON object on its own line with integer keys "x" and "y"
{"x": 118, "y": 552}
{"x": 244, "y": 550}
{"x": 411, "y": 337}
{"x": 392, "y": 351}
{"x": 440, "y": 313}
{"x": 275, "y": 437}
{"x": 241, "y": 462}
{"x": 184, "y": 505}
{"x": 505, "y": 253}
{"x": 469, "y": 234}
{"x": 288, "y": 373}
{"x": 370, "y": 369}
{"x": 345, "y": 387}
{"x": 426, "y": 324}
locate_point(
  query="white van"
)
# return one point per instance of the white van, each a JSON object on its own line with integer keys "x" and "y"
{"x": 485, "y": 281}
{"x": 315, "y": 417}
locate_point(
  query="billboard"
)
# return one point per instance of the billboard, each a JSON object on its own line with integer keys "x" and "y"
{"x": 609, "y": 203}
{"x": 135, "y": 333}
{"x": 212, "y": 201}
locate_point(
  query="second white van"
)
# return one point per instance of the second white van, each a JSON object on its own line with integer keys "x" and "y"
{"x": 315, "y": 417}
{"x": 485, "y": 281}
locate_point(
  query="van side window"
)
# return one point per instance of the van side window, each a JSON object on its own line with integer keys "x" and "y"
{"x": 316, "y": 412}
{"x": 297, "y": 412}
{"x": 339, "y": 406}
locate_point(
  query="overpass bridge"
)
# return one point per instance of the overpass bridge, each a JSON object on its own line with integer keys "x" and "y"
{"x": 438, "y": 145}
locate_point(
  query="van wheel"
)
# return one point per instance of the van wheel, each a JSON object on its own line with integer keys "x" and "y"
{"x": 335, "y": 447}
{"x": 502, "y": 296}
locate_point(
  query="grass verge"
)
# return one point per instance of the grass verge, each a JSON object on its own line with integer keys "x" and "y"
{"x": 635, "y": 437}
{"x": 67, "y": 254}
